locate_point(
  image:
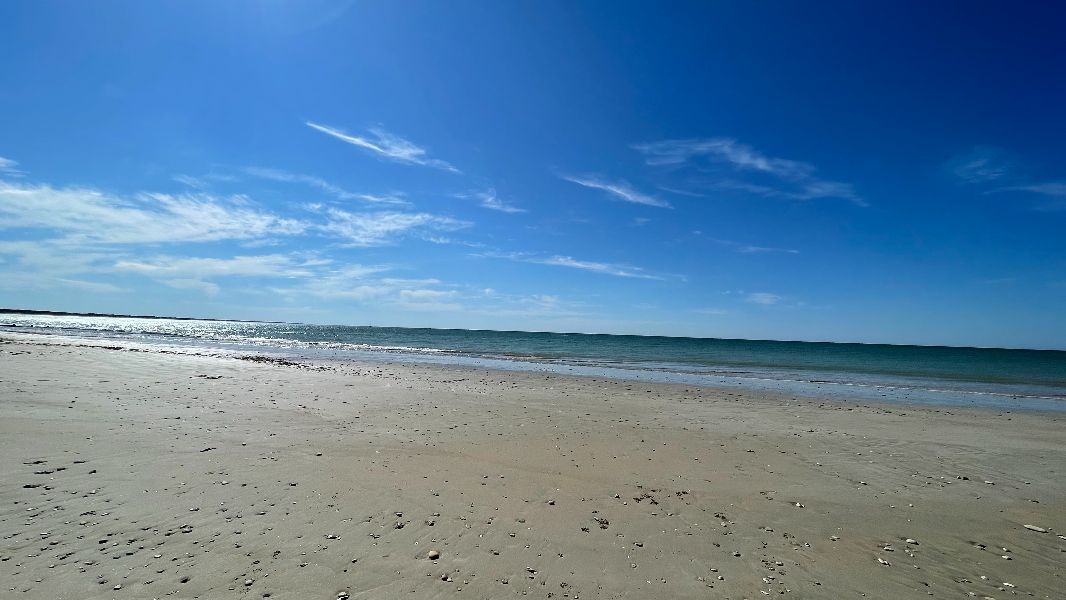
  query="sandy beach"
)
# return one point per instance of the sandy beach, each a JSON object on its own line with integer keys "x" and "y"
{"x": 131, "y": 474}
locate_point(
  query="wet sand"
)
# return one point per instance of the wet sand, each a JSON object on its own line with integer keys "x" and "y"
{"x": 128, "y": 474}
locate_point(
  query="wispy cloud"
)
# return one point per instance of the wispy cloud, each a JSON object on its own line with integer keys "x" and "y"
{"x": 596, "y": 267}
{"x": 488, "y": 199}
{"x": 386, "y": 145}
{"x": 204, "y": 182}
{"x": 350, "y": 282}
{"x": 364, "y": 284}
{"x": 61, "y": 262}
{"x": 791, "y": 178}
{"x": 87, "y": 239}
{"x": 83, "y": 215}
{"x": 190, "y": 181}
{"x": 323, "y": 185}
{"x": 268, "y": 265}
{"x": 763, "y": 298}
{"x": 445, "y": 240}
{"x": 1053, "y": 191}
{"x": 681, "y": 192}
{"x": 10, "y": 168}
{"x": 982, "y": 164}
{"x": 367, "y": 286}
{"x": 988, "y": 166}
{"x": 751, "y": 248}
{"x": 617, "y": 270}
{"x": 675, "y": 152}
{"x": 619, "y": 189}
{"x": 384, "y": 227}
{"x": 88, "y": 215}
{"x": 195, "y": 273}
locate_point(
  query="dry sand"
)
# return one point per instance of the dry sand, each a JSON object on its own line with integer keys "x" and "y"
{"x": 146, "y": 475}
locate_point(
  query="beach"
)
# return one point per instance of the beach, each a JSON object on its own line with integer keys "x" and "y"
{"x": 144, "y": 474}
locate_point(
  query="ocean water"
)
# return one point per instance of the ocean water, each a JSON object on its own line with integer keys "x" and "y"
{"x": 997, "y": 378}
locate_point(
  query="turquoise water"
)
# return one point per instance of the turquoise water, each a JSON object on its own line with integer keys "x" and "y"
{"x": 978, "y": 376}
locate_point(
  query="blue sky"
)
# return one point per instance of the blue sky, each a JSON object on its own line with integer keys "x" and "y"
{"x": 840, "y": 171}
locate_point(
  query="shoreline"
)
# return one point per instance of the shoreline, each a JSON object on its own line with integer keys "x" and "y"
{"x": 783, "y": 389}
{"x": 186, "y": 475}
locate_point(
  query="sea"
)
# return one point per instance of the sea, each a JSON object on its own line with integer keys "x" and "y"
{"x": 995, "y": 378}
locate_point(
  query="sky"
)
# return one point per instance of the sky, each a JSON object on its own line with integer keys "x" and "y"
{"x": 844, "y": 171}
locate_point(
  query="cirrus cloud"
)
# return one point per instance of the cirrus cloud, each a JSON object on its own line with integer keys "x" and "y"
{"x": 782, "y": 177}
{"x": 88, "y": 215}
{"x": 619, "y": 189}
{"x": 386, "y": 145}
{"x": 384, "y": 227}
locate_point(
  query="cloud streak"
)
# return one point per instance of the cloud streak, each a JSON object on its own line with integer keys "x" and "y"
{"x": 86, "y": 239}
{"x": 190, "y": 181}
{"x": 488, "y": 199}
{"x": 597, "y": 267}
{"x": 10, "y": 168}
{"x": 790, "y": 178}
{"x": 1054, "y": 189}
{"x": 763, "y": 298}
{"x": 269, "y": 265}
{"x": 619, "y": 189}
{"x": 386, "y": 145}
{"x": 383, "y": 227}
{"x": 986, "y": 166}
{"x": 86, "y": 231}
{"x": 194, "y": 273}
{"x": 982, "y": 164}
{"x": 616, "y": 270}
{"x": 362, "y": 284}
{"x": 743, "y": 248}
{"x": 323, "y": 185}
{"x": 87, "y": 215}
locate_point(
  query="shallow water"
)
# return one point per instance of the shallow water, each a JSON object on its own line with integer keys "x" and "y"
{"x": 991, "y": 377}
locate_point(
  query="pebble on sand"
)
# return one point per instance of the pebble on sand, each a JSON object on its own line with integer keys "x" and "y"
{"x": 433, "y": 555}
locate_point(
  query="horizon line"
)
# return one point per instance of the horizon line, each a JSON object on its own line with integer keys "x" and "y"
{"x": 64, "y": 313}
